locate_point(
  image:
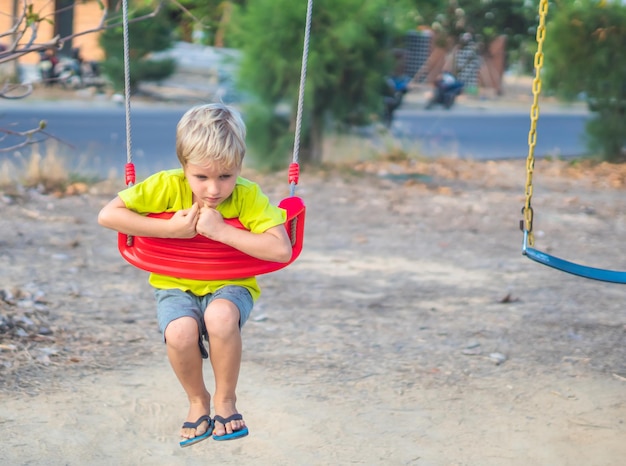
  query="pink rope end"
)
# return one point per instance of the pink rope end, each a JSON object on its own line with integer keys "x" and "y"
{"x": 130, "y": 174}
{"x": 294, "y": 173}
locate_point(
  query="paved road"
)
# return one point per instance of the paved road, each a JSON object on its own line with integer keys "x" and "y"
{"x": 489, "y": 135}
{"x": 94, "y": 134}
{"x": 93, "y": 137}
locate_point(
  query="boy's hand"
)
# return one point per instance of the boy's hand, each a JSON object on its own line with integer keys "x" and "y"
{"x": 210, "y": 223}
{"x": 183, "y": 222}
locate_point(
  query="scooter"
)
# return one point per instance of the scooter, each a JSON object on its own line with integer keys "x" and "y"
{"x": 47, "y": 66}
{"x": 395, "y": 89}
{"x": 447, "y": 89}
{"x": 69, "y": 72}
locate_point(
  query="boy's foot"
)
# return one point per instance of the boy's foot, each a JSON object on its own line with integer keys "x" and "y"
{"x": 229, "y": 428}
{"x": 203, "y": 429}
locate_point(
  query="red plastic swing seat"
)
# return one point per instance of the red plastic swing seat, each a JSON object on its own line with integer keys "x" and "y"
{"x": 200, "y": 258}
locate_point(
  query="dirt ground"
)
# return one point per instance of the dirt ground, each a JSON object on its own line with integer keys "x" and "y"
{"x": 411, "y": 330}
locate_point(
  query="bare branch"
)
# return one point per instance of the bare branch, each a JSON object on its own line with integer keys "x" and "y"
{"x": 16, "y": 91}
{"x": 28, "y": 137}
{"x": 15, "y": 51}
{"x": 25, "y": 25}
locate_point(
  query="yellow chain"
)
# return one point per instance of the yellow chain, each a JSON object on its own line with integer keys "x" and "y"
{"x": 534, "y": 116}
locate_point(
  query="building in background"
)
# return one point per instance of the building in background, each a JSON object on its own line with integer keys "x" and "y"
{"x": 63, "y": 18}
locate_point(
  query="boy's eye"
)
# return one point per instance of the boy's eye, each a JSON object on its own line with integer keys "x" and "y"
{"x": 222, "y": 177}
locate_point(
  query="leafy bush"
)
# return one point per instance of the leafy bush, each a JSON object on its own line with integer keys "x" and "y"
{"x": 144, "y": 37}
{"x": 349, "y": 57}
{"x": 583, "y": 55}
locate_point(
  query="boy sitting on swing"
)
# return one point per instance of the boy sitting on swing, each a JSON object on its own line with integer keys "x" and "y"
{"x": 210, "y": 144}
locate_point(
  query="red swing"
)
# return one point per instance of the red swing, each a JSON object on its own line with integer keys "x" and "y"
{"x": 200, "y": 258}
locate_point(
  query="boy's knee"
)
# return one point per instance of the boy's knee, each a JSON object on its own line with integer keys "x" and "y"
{"x": 221, "y": 316}
{"x": 182, "y": 333}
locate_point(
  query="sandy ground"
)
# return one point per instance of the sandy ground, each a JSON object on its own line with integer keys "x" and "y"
{"x": 411, "y": 331}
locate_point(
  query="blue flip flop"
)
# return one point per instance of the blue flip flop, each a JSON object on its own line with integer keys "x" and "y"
{"x": 194, "y": 425}
{"x": 235, "y": 434}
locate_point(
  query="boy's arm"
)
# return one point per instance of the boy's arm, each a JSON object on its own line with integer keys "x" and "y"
{"x": 271, "y": 245}
{"x": 116, "y": 216}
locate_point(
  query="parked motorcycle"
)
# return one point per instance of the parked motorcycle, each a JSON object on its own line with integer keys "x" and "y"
{"x": 395, "y": 89}
{"x": 47, "y": 66}
{"x": 447, "y": 89}
{"x": 70, "y": 72}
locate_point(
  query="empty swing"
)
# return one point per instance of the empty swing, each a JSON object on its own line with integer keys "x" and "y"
{"x": 200, "y": 258}
{"x": 526, "y": 224}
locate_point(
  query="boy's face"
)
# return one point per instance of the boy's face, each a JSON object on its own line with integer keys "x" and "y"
{"x": 211, "y": 184}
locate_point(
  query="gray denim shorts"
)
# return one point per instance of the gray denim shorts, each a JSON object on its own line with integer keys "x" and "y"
{"x": 173, "y": 304}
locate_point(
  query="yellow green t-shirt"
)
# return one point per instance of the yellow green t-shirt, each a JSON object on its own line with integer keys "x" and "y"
{"x": 169, "y": 191}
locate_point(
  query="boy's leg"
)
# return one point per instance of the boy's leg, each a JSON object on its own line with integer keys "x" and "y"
{"x": 181, "y": 337}
{"x": 227, "y": 311}
{"x": 180, "y": 318}
{"x": 222, "y": 323}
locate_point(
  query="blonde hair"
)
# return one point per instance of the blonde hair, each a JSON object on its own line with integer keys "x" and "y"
{"x": 211, "y": 133}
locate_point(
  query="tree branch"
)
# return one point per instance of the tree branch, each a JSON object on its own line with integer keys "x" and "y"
{"x": 16, "y": 51}
{"x": 26, "y": 24}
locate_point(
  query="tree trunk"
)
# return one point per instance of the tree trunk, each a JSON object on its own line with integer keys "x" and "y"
{"x": 316, "y": 139}
{"x": 220, "y": 35}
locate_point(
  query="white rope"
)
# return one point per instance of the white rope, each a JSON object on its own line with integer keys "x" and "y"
{"x": 305, "y": 55}
{"x": 129, "y": 151}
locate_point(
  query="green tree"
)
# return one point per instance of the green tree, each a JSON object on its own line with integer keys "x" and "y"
{"x": 485, "y": 20}
{"x": 144, "y": 37}
{"x": 584, "y": 47}
{"x": 349, "y": 55}
{"x": 209, "y": 18}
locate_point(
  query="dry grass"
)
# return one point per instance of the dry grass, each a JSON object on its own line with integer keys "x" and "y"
{"x": 346, "y": 149}
{"x": 45, "y": 171}
{"x": 45, "y": 168}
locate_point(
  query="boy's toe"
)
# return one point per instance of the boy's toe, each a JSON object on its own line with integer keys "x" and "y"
{"x": 231, "y": 427}
{"x": 194, "y": 432}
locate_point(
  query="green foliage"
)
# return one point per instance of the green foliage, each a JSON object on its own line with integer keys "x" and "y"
{"x": 207, "y": 17}
{"x": 485, "y": 20}
{"x": 514, "y": 18}
{"x": 269, "y": 136}
{"x": 607, "y": 134}
{"x": 144, "y": 37}
{"x": 348, "y": 57}
{"x": 584, "y": 49}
